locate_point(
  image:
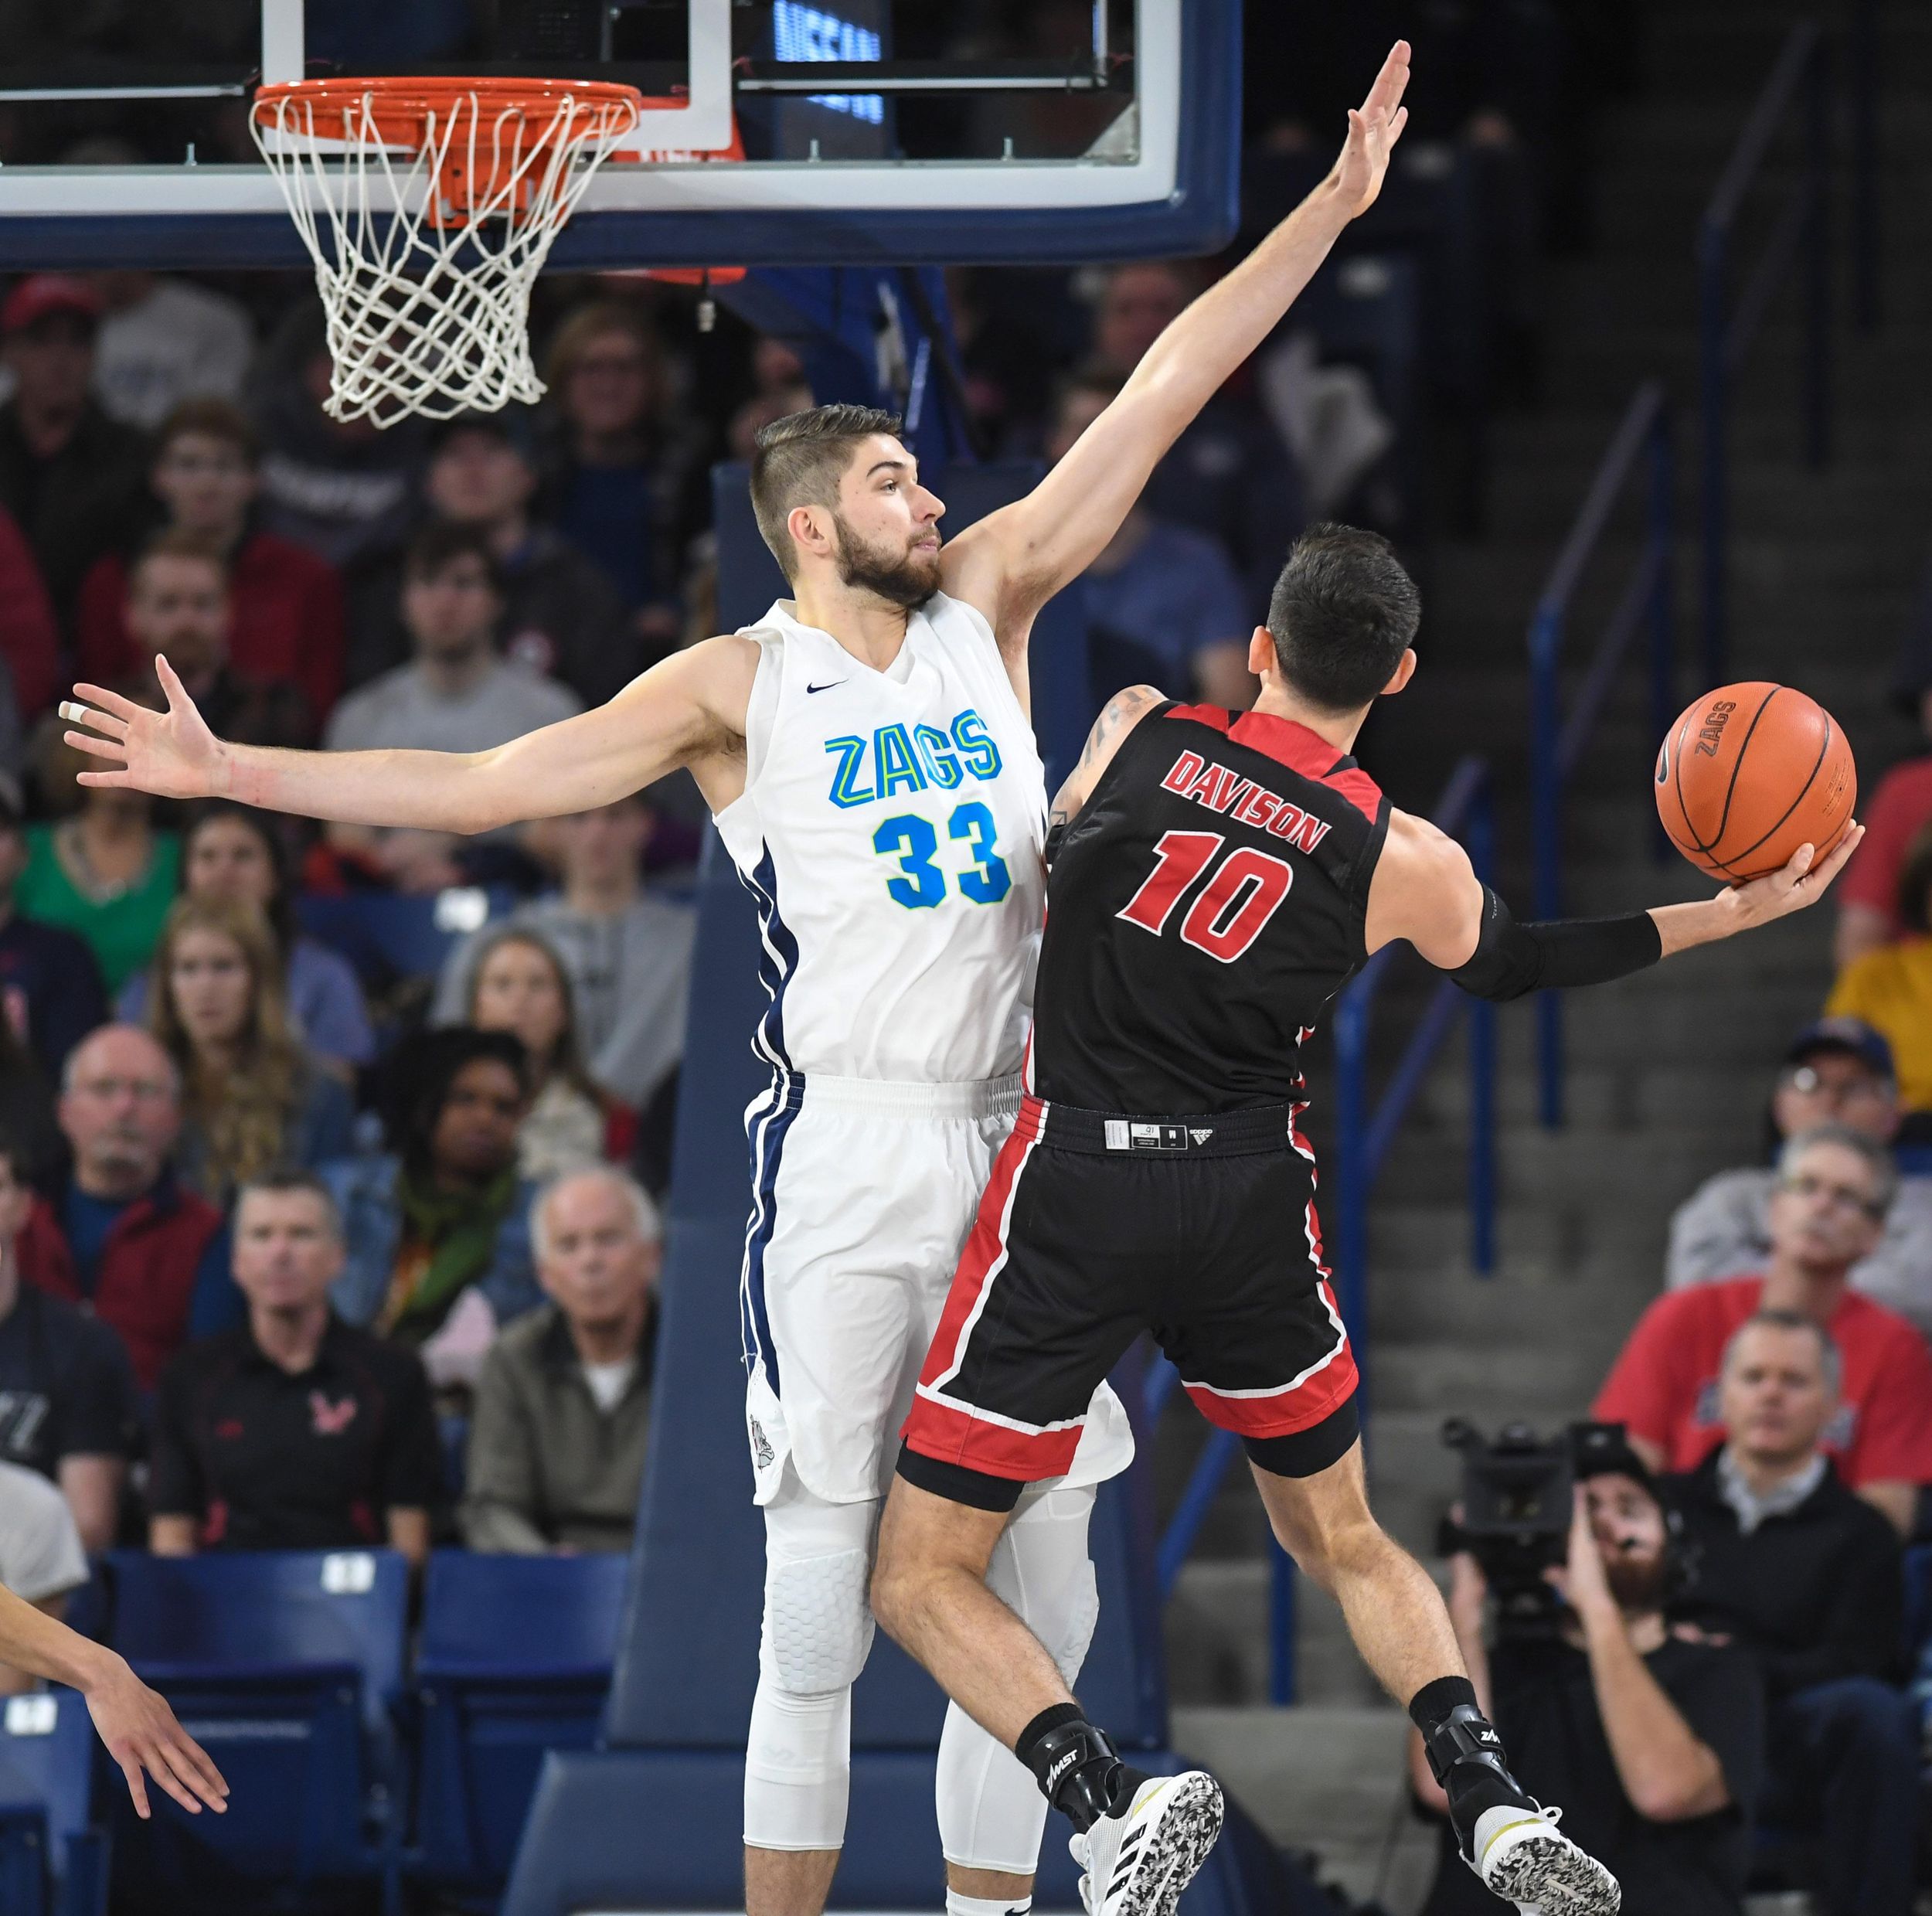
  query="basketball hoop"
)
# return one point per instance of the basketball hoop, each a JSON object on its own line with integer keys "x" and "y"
{"x": 429, "y": 207}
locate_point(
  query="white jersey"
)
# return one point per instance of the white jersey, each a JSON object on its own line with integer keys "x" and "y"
{"x": 892, "y": 829}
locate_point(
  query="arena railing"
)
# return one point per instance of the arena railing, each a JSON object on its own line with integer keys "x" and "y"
{"x": 1640, "y": 449}
{"x": 1363, "y": 1137}
{"x": 1801, "y": 76}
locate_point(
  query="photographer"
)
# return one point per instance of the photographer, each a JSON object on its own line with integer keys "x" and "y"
{"x": 1806, "y": 1575}
{"x": 1653, "y": 1745}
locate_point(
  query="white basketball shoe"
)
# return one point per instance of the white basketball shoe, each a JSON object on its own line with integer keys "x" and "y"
{"x": 1523, "y": 1857}
{"x": 1138, "y": 1863}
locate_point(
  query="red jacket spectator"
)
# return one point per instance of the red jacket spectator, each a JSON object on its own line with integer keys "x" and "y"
{"x": 29, "y": 639}
{"x": 150, "y": 1268}
{"x": 1663, "y": 1385}
{"x": 285, "y": 620}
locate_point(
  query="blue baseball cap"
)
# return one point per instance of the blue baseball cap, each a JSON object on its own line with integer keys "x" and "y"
{"x": 1852, "y": 1035}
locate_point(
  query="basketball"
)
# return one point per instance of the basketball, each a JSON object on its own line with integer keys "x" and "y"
{"x": 1750, "y": 772}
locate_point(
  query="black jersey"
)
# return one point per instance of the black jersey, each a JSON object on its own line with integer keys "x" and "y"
{"x": 1203, "y": 910}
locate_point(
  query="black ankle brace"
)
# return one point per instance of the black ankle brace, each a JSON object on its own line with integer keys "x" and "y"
{"x": 1466, "y": 1757}
{"x": 1077, "y": 1767}
{"x": 1464, "y": 1735}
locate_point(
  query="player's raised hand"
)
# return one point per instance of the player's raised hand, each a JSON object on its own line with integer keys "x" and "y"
{"x": 1801, "y": 882}
{"x": 171, "y": 753}
{"x": 1374, "y": 127}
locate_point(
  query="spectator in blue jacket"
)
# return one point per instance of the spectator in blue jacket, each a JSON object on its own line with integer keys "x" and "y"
{"x": 437, "y": 1235}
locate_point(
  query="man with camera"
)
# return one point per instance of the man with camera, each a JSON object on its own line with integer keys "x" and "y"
{"x": 1793, "y": 1566}
{"x": 1653, "y": 1743}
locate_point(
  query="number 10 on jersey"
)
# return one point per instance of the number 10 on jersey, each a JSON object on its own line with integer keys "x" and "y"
{"x": 915, "y": 844}
{"x": 1227, "y": 916}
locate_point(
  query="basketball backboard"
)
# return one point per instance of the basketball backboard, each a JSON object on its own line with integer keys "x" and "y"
{"x": 942, "y": 130}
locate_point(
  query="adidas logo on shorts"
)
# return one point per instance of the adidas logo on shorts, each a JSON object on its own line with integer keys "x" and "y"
{"x": 760, "y": 1444}
{"x": 1123, "y": 1134}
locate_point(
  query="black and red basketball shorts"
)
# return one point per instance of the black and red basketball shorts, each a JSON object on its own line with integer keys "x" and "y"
{"x": 1095, "y": 1227}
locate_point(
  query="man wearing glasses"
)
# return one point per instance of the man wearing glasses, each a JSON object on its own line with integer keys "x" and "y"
{"x": 1834, "y": 1186}
{"x": 121, "y": 1238}
{"x": 1836, "y": 1070}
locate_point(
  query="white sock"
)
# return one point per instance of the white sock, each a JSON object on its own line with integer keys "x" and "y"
{"x": 959, "y": 1905}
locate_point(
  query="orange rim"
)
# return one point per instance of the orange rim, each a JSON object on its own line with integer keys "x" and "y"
{"x": 406, "y": 110}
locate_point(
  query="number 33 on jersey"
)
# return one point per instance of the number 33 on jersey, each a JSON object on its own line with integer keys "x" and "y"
{"x": 896, "y": 819}
{"x": 927, "y": 758}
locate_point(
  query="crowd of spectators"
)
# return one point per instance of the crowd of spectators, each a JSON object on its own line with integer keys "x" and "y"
{"x": 1729, "y": 1696}
{"x": 297, "y": 1249}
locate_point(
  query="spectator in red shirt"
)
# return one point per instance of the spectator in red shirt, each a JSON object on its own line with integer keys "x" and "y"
{"x": 285, "y": 603}
{"x": 1835, "y": 1186}
{"x": 29, "y": 639}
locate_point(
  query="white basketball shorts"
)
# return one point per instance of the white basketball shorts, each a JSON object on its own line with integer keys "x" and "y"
{"x": 862, "y": 1194}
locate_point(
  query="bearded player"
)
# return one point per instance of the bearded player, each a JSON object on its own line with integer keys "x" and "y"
{"x": 1216, "y": 878}
{"x": 866, "y": 751}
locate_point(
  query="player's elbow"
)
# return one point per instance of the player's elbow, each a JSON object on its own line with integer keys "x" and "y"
{"x": 480, "y": 795}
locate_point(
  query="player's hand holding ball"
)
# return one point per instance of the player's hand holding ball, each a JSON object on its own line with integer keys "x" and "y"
{"x": 1756, "y": 785}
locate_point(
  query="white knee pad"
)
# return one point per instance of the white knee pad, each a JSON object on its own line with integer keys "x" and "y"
{"x": 817, "y": 1628}
{"x": 991, "y": 1814}
{"x": 816, "y": 1632}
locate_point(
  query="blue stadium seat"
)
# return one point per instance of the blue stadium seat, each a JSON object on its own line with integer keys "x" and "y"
{"x": 288, "y": 1667}
{"x": 493, "y": 1695}
{"x": 53, "y": 1858}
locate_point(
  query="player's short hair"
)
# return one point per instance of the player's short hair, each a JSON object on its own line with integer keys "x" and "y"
{"x": 1342, "y": 613}
{"x": 799, "y": 461}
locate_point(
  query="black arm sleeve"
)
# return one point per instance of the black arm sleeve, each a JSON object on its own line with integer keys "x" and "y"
{"x": 1511, "y": 960}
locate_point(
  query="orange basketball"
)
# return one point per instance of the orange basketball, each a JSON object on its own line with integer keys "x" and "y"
{"x": 1749, "y": 773}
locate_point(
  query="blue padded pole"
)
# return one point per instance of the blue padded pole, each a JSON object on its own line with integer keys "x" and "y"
{"x": 1281, "y": 1670}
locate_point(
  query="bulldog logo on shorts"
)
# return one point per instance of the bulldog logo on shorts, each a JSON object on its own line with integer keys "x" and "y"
{"x": 760, "y": 1444}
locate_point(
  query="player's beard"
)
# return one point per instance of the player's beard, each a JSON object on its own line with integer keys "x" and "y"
{"x": 892, "y": 573}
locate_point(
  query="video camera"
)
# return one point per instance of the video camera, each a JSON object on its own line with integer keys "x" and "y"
{"x": 1517, "y": 1504}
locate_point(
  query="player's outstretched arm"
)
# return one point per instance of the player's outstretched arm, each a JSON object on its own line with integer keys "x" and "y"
{"x": 689, "y": 708}
{"x": 1015, "y": 559}
{"x": 1425, "y": 890}
{"x": 137, "y": 1726}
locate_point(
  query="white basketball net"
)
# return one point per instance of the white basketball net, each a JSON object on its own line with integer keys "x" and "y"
{"x": 428, "y": 303}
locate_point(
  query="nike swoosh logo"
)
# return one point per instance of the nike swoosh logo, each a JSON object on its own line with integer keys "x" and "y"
{"x": 826, "y": 687}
